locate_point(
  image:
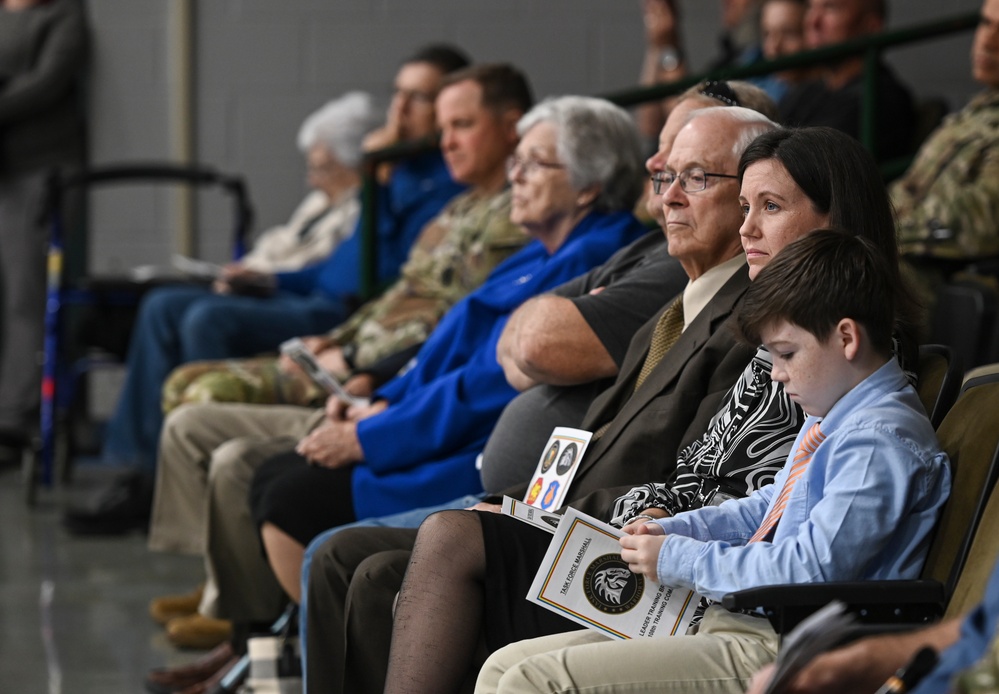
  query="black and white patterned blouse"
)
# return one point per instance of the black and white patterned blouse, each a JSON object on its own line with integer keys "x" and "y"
{"x": 746, "y": 444}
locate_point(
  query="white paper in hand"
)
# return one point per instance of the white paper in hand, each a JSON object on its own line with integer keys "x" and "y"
{"x": 296, "y": 350}
{"x": 583, "y": 578}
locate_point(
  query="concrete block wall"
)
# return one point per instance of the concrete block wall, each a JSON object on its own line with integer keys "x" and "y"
{"x": 263, "y": 65}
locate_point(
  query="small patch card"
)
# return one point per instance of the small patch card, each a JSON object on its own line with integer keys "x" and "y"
{"x": 584, "y": 579}
{"x": 558, "y": 465}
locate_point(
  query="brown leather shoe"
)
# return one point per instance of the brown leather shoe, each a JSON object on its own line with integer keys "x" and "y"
{"x": 167, "y": 680}
{"x": 197, "y": 631}
{"x": 210, "y": 683}
{"x": 162, "y": 610}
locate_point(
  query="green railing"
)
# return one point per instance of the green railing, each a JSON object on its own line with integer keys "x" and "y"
{"x": 370, "y": 284}
{"x": 870, "y": 47}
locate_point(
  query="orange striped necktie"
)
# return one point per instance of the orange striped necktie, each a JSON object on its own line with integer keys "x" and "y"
{"x": 801, "y": 459}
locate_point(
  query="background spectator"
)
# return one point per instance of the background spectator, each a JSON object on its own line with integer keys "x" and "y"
{"x": 43, "y": 55}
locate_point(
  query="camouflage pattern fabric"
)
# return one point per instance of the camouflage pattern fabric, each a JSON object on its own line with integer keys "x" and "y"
{"x": 948, "y": 201}
{"x": 453, "y": 255}
{"x": 983, "y": 676}
{"x": 256, "y": 381}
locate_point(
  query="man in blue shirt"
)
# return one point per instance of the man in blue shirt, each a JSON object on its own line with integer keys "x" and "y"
{"x": 857, "y": 499}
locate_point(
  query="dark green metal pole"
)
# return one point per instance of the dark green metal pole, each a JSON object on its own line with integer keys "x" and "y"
{"x": 369, "y": 232}
{"x": 869, "y": 106}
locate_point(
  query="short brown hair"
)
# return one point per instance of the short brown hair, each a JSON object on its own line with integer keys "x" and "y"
{"x": 503, "y": 86}
{"x": 444, "y": 57}
{"x": 818, "y": 280}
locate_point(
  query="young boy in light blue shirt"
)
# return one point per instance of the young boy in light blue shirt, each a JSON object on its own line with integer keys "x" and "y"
{"x": 857, "y": 499}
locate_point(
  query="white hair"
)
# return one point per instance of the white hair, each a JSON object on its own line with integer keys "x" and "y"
{"x": 340, "y": 125}
{"x": 755, "y": 123}
{"x": 598, "y": 143}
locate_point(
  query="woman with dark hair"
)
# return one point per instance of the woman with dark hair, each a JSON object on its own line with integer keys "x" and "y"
{"x": 838, "y": 176}
{"x": 834, "y": 182}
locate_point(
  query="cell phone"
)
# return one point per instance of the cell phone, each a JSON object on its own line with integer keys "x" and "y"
{"x": 296, "y": 350}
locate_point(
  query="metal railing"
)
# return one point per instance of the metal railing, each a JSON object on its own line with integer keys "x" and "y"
{"x": 870, "y": 47}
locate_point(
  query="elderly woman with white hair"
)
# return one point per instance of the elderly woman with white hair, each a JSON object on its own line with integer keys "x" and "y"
{"x": 330, "y": 139}
{"x": 178, "y": 324}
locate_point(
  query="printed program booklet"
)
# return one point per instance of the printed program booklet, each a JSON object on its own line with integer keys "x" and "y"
{"x": 584, "y": 579}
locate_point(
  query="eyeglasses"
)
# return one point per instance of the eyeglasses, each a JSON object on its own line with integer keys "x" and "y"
{"x": 415, "y": 96}
{"x": 691, "y": 180}
{"x": 529, "y": 166}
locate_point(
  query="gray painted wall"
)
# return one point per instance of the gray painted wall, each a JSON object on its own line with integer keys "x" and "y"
{"x": 262, "y": 65}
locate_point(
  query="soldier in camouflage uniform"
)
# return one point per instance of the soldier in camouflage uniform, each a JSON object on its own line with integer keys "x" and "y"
{"x": 454, "y": 253}
{"x": 947, "y": 203}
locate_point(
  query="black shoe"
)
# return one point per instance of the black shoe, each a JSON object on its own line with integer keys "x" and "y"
{"x": 124, "y": 506}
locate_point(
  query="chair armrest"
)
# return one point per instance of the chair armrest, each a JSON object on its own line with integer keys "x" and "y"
{"x": 871, "y": 602}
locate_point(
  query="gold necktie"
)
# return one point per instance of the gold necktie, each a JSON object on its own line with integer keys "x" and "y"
{"x": 801, "y": 459}
{"x": 665, "y": 335}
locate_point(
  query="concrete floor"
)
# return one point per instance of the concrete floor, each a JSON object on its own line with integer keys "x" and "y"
{"x": 73, "y": 611}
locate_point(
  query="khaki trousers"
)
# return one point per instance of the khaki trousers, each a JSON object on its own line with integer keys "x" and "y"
{"x": 208, "y": 455}
{"x": 722, "y": 657}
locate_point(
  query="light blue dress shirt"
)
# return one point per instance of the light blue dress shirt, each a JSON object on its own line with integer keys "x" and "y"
{"x": 863, "y": 509}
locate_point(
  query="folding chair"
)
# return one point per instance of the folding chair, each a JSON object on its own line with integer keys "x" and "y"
{"x": 59, "y": 379}
{"x": 965, "y": 319}
{"x": 939, "y": 373}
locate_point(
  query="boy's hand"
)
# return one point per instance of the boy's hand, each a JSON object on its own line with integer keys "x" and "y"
{"x": 640, "y": 548}
{"x": 643, "y": 518}
{"x": 356, "y": 413}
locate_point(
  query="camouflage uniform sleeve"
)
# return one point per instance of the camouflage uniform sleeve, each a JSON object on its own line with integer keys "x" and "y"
{"x": 453, "y": 257}
{"x": 948, "y": 202}
{"x": 420, "y": 258}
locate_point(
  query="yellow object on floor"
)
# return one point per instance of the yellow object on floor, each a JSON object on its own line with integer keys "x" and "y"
{"x": 168, "y": 607}
{"x": 198, "y": 631}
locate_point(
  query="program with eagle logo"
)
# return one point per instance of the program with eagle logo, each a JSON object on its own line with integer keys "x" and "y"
{"x": 584, "y": 579}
